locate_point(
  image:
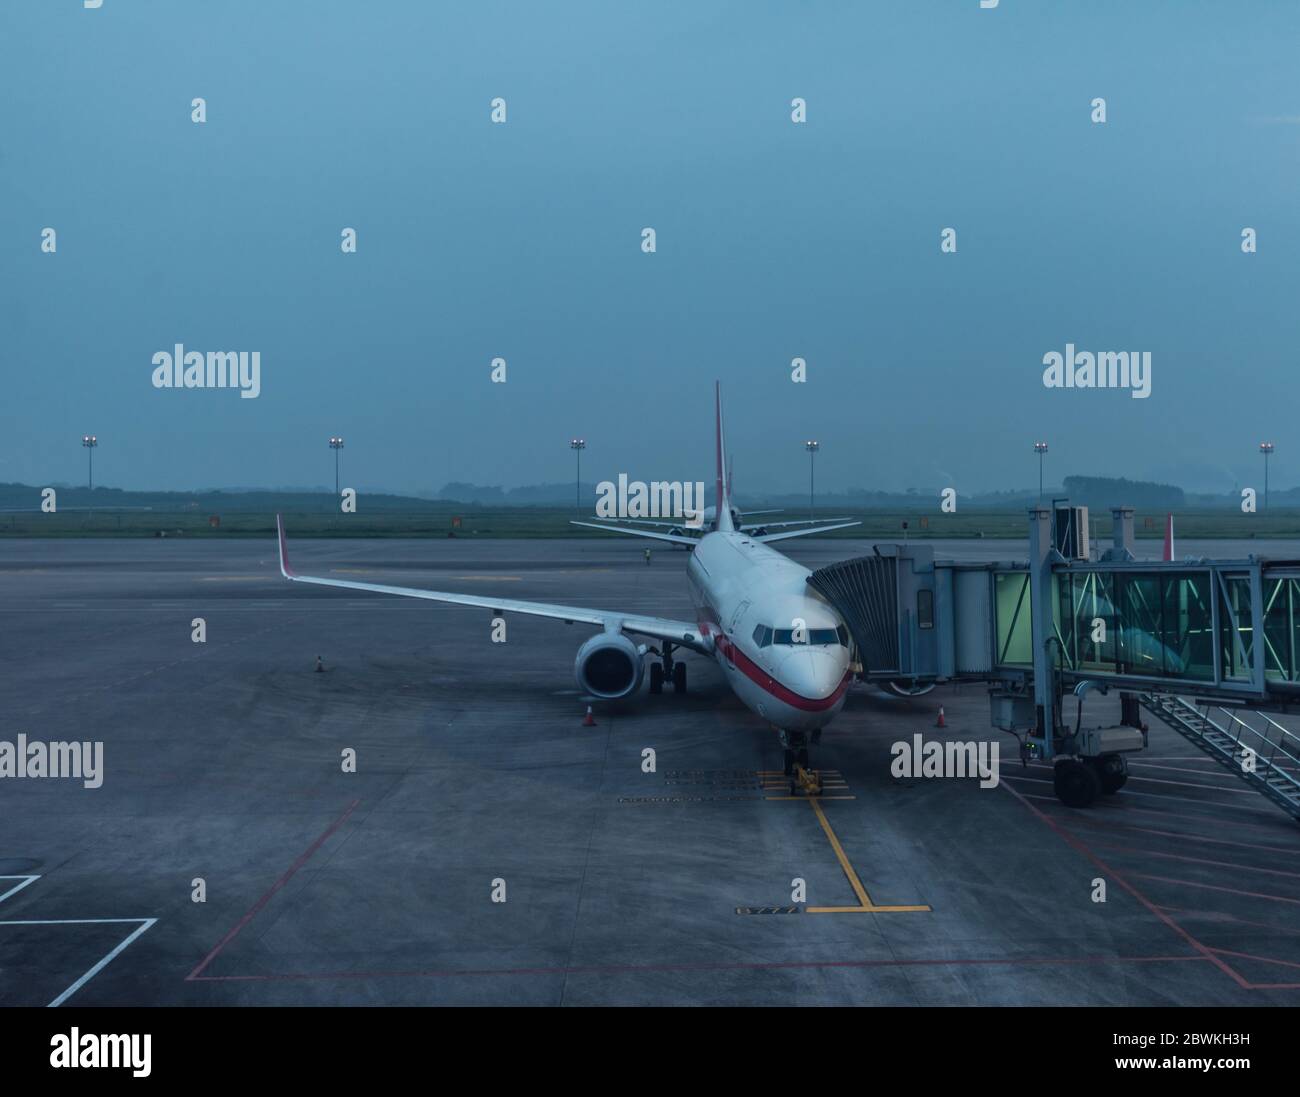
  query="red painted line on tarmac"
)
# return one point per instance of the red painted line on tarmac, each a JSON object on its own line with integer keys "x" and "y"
{"x": 1082, "y": 847}
{"x": 1217, "y": 821}
{"x": 1221, "y": 915}
{"x": 633, "y": 969}
{"x": 1262, "y": 959}
{"x": 303, "y": 858}
{"x": 1151, "y": 781}
{"x": 1238, "y": 866}
{"x": 1217, "y": 887}
{"x": 1182, "y": 836}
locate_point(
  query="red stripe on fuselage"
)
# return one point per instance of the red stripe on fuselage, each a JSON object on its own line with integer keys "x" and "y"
{"x": 765, "y": 681}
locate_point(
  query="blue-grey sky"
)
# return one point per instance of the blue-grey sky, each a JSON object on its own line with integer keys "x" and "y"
{"x": 523, "y": 240}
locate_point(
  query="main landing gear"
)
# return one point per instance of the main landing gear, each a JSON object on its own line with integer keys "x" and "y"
{"x": 668, "y": 670}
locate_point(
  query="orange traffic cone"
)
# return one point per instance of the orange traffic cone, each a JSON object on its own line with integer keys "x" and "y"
{"x": 589, "y": 721}
{"x": 941, "y": 722}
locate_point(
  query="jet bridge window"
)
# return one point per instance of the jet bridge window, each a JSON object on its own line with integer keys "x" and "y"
{"x": 925, "y": 609}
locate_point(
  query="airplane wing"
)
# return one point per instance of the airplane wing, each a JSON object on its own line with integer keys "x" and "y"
{"x": 803, "y": 532}
{"x": 685, "y": 633}
{"x": 676, "y": 539}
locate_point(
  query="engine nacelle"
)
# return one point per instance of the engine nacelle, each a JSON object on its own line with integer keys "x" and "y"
{"x": 609, "y": 666}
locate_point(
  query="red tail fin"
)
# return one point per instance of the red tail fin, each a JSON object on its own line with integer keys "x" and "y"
{"x": 722, "y": 519}
{"x": 717, "y": 407}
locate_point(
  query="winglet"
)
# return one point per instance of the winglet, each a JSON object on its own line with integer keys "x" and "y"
{"x": 285, "y": 569}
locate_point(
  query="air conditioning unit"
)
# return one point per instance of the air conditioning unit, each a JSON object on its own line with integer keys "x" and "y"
{"x": 1070, "y": 532}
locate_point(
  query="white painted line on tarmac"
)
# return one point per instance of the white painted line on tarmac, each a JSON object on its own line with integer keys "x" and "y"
{"x": 145, "y": 924}
{"x": 17, "y": 887}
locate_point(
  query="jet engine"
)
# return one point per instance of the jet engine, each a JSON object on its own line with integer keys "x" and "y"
{"x": 609, "y": 666}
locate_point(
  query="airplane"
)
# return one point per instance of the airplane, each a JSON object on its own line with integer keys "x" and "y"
{"x": 784, "y": 650}
{"x": 708, "y": 519}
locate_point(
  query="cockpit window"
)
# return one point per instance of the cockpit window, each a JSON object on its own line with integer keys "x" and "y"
{"x": 762, "y": 636}
{"x": 812, "y": 637}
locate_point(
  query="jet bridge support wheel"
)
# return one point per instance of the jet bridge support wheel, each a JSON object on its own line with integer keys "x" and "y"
{"x": 1076, "y": 783}
{"x": 1112, "y": 772}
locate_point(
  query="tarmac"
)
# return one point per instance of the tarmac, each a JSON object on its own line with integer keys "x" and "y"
{"x": 225, "y": 778}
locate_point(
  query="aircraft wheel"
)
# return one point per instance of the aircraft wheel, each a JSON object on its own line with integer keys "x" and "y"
{"x": 679, "y": 677}
{"x": 803, "y": 757}
{"x": 656, "y": 678}
{"x": 789, "y": 762}
{"x": 1112, "y": 772}
{"x": 1076, "y": 783}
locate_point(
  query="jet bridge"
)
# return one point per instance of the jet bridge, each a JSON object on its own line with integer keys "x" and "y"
{"x": 1223, "y": 633}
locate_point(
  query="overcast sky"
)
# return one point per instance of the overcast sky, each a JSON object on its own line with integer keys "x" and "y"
{"x": 523, "y": 241}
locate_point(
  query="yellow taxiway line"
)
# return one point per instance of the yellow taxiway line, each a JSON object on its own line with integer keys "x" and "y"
{"x": 867, "y": 907}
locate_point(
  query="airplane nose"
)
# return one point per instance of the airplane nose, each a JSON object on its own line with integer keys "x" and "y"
{"x": 813, "y": 672}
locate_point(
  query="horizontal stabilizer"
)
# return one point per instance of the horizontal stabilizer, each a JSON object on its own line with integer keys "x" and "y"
{"x": 795, "y": 522}
{"x": 803, "y": 532}
{"x": 676, "y": 539}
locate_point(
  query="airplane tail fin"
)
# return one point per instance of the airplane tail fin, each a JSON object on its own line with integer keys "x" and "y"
{"x": 723, "y": 520}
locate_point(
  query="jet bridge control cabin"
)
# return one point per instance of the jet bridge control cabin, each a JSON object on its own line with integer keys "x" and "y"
{"x": 1207, "y": 646}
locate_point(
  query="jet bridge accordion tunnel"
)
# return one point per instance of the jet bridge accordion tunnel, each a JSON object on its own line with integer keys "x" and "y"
{"x": 1075, "y": 619}
{"x": 914, "y": 621}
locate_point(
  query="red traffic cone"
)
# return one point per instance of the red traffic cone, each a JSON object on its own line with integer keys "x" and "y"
{"x": 941, "y": 722}
{"x": 589, "y": 721}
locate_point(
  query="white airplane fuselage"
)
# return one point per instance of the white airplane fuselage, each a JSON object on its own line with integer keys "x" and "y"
{"x": 740, "y": 586}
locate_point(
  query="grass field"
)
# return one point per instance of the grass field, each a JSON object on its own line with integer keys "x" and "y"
{"x": 494, "y": 522}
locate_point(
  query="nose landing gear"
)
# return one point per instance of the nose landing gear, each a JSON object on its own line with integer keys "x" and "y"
{"x": 803, "y": 778}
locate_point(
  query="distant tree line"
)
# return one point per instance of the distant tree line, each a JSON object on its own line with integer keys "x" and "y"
{"x": 1098, "y": 492}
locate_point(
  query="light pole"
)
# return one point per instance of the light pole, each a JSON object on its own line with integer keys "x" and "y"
{"x": 90, "y": 442}
{"x": 336, "y": 444}
{"x": 1040, "y": 448}
{"x": 1266, "y": 448}
{"x": 577, "y": 445}
{"x": 812, "y": 448}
